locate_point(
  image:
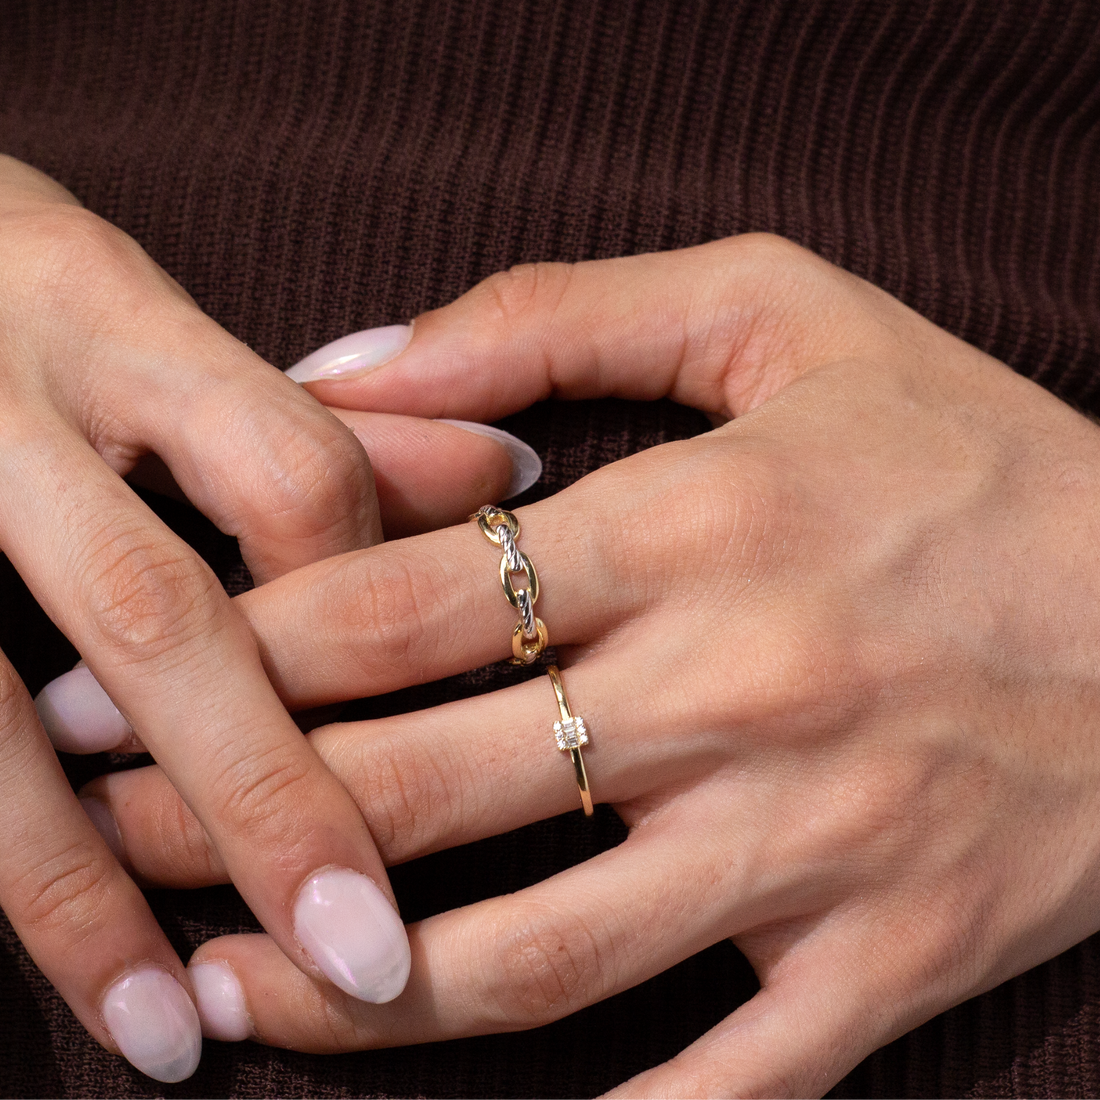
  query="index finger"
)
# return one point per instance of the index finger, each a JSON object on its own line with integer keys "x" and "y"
{"x": 179, "y": 660}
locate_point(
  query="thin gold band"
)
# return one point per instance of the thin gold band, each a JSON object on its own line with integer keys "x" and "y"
{"x": 570, "y": 734}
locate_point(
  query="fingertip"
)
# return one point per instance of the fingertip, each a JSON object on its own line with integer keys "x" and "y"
{"x": 526, "y": 464}
{"x": 353, "y": 934}
{"x": 352, "y": 355}
{"x": 99, "y": 813}
{"x": 155, "y": 1024}
{"x": 79, "y": 716}
{"x": 220, "y": 1000}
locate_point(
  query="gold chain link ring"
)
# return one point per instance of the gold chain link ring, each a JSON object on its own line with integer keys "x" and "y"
{"x": 501, "y": 528}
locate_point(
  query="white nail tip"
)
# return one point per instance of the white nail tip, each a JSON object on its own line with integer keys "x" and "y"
{"x": 526, "y": 464}
{"x": 78, "y": 714}
{"x": 220, "y": 1001}
{"x": 361, "y": 351}
{"x": 155, "y": 1025}
{"x": 353, "y": 934}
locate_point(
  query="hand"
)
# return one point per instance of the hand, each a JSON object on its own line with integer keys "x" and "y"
{"x": 837, "y": 659}
{"x": 103, "y": 360}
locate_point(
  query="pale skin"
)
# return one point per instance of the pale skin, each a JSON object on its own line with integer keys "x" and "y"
{"x": 105, "y": 360}
{"x": 838, "y": 660}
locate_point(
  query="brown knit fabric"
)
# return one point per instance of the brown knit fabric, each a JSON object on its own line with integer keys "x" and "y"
{"x": 306, "y": 169}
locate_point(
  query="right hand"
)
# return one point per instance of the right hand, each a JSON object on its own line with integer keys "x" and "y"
{"x": 105, "y": 359}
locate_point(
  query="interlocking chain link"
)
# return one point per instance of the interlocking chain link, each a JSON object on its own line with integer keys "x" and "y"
{"x": 501, "y": 528}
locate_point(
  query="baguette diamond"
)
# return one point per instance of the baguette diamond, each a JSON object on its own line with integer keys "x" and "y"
{"x": 570, "y": 733}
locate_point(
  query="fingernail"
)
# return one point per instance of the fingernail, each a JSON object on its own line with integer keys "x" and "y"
{"x": 354, "y": 354}
{"x": 104, "y": 821}
{"x": 526, "y": 464}
{"x": 78, "y": 714}
{"x": 220, "y": 1001}
{"x": 353, "y": 934}
{"x": 154, "y": 1023}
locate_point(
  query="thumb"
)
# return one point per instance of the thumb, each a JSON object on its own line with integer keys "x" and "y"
{"x": 720, "y": 326}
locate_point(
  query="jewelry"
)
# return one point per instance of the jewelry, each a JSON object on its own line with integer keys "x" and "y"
{"x": 501, "y": 528}
{"x": 570, "y": 734}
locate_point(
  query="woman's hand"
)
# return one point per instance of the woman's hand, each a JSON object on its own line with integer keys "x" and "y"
{"x": 103, "y": 360}
{"x": 837, "y": 659}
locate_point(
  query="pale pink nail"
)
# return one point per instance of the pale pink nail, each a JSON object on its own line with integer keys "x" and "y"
{"x": 526, "y": 464}
{"x": 78, "y": 714}
{"x": 354, "y": 935}
{"x": 154, "y": 1023}
{"x": 220, "y": 1001}
{"x": 354, "y": 354}
{"x": 99, "y": 813}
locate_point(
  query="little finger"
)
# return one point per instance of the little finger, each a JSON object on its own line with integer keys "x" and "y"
{"x": 505, "y": 964}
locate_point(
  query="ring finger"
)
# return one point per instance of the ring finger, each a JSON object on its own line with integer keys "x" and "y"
{"x": 461, "y": 771}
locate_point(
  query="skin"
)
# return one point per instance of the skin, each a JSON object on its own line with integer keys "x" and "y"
{"x": 837, "y": 659}
{"x": 105, "y": 360}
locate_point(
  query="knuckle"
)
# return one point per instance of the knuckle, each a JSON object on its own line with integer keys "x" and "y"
{"x": 323, "y": 476}
{"x": 66, "y": 254}
{"x": 512, "y": 294}
{"x": 65, "y": 894}
{"x": 394, "y": 610}
{"x": 408, "y": 800}
{"x": 182, "y": 835}
{"x": 768, "y": 250}
{"x": 147, "y": 595}
{"x": 547, "y": 965}
{"x": 255, "y": 791}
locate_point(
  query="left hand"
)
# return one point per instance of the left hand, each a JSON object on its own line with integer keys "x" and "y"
{"x": 837, "y": 659}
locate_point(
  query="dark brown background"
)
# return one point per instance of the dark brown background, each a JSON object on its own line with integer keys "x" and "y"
{"x": 306, "y": 169}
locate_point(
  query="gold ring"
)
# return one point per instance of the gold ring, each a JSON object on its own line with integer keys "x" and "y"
{"x": 570, "y": 734}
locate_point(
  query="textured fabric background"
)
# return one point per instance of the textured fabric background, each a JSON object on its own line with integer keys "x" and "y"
{"x": 306, "y": 169}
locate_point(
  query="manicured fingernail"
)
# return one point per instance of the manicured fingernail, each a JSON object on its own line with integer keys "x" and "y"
{"x": 220, "y": 1001}
{"x": 78, "y": 714}
{"x": 105, "y": 824}
{"x": 354, "y": 354}
{"x": 353, "y": 934}
{"x": 155, "y": 1024}
{"x": 526, "y": 465}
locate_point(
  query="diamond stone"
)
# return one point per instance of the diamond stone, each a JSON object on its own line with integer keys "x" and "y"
{"x": 570, "y": 733}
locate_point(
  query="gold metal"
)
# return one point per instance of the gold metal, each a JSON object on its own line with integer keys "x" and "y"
{"x": 506, "y": 579}
{"x": 525, "y": 650}
{"x": 491, "y": 520}
{"x": 487, "y": 521}
{"x": 570, "y": 734}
